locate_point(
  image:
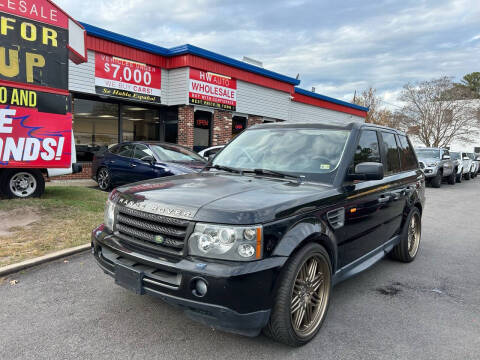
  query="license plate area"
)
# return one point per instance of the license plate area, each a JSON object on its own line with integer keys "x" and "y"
{"x": 129, "y": 278}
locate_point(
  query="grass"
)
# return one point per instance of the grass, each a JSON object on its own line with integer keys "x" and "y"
{"x": 65, "y": 218}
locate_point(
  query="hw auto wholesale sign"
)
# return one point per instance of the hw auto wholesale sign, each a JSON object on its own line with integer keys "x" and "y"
{"x": 35, "y": 117}
{"x": 214, "y": 90}
{"x": 128, "y": 79}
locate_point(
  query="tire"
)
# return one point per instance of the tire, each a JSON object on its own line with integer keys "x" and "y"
{"x": 406, "y": 251}
{"x": 280, "y": 326}
{"x": 467, "y": 176}
{"x": 437, "y": 181}
{"x": 451, "y": 179}
{"x": 104, "y": 179}
{"x": 22, "y": 183}
{"x": 459, "y": 178}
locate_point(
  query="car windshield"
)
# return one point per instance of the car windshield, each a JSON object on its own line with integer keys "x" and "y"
{"x": 428, "y": 153}
{"x": 175, "y": 153}
{"x": 455, "y": 156}
{"x": 311, "y": 152}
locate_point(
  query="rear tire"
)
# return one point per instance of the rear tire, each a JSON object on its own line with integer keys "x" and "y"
{"x": 22, "y": 183}
{"x": 467, "y": 176}
{"x": 302, "y": 297}
{"x": 407, "y": 250}
{"x": 437, "y": 181}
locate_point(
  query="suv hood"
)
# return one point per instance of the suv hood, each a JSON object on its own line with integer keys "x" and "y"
{"x": 223, "y": 198}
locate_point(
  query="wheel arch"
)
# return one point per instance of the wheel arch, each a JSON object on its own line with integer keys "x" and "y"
{"x": 305, "y": 232}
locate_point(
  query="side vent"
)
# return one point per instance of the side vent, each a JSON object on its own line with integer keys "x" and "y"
{"x": 336, "y": 218}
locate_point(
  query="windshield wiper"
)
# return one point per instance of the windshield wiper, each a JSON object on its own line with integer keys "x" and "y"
{"x": 279, "y": 174}
{"x": 224, "y": 168}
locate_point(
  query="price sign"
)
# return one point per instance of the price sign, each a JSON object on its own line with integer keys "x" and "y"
{"x": 117, "y": 77}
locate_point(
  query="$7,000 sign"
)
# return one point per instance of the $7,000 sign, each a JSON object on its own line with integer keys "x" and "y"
{"x": 124, "y": 78}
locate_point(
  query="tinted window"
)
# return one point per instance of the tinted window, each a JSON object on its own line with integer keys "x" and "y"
{"x": 407, "y": 156}
{"x": 175, "y": 153}
{"x": 123, "y": 150}
{"x": 367, "y": 149}
{"x": 141, "y": 151}
{"x": 392, "y": 157}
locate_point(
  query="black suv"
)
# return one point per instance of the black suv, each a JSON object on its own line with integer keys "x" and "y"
{"x": 258, "y": 238}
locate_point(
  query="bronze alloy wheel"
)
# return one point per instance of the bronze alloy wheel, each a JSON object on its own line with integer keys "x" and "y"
{"x": 414, "y": 233}
{"x": 309, "y": 298}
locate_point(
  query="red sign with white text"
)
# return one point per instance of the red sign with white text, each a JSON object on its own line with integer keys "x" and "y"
{"x": 39, "y": 10}
{"x": 29, "y": 138}
{"x": 124, "y": 78}
{"x": 214, "y": 90}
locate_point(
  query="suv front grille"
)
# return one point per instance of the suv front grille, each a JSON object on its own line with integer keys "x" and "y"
{"x": 151, "y": 232}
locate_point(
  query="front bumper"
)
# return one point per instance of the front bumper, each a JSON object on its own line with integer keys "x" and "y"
{"x": 430, "y": 171}
{"x": 239, "y": 295}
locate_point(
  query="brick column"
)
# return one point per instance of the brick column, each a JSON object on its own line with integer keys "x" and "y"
{"x": 222, "y": 127}
{"x": 254, "y": 120}
{"x": 185, "y": 125}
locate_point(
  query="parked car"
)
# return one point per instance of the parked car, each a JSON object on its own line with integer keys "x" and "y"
{"x": 477, "y": 161}
{"x": 211, "y": 151}
{"x": 436, "y": 165}
{"x": 475, "y": 165}
{"x": 460, "y": 171}
{"x": 130, "y": 162}
{"x": 258, "y": 238}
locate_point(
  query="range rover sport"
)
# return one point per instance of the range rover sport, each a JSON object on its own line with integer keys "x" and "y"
{"x": 258, "y": 238}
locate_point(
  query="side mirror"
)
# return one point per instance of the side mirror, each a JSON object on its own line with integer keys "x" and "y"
{"x": 367, "y": 171}
{"x": 148, "y": 159}
{"x": 446, "y": 157}
{"x": 466, "y": 158}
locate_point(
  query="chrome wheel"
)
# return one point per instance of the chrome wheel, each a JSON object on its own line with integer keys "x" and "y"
{"x": 23, "y": 184}
{"x": 103, "y": 179}
{"x": 414, "y": 233}
{"x": 310, "y": 295}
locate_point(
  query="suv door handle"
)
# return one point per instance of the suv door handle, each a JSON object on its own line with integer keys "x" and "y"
{"x": 384, "y": 199}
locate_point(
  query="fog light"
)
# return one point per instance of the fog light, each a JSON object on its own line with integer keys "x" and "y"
{"x": 200, "y": 288}
{"x": 246, "y": 250}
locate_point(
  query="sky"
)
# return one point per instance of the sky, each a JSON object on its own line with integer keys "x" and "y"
{"x": 338, "y": 47}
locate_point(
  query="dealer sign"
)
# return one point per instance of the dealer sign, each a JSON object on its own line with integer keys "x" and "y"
{"x": 117, "y": 77}
{"x": 35, "y": 114}
{"x": 214, "y": 90}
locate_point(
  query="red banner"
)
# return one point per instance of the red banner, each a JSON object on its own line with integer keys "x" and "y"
{"x": 127, "y": 79}
{"x": 39, "y": 10}
{"x": 29, "y": 138}
{"x": 209, "y": 89}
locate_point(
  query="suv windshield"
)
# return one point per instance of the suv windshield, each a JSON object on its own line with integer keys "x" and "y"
{"x": 175, "y": 153}
{"x": 428, "y": 153}
{"x": 455, "y": 156}
{"x": 313, "y": 153}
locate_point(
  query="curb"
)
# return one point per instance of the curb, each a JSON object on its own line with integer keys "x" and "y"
{"x": 10, "y": 269}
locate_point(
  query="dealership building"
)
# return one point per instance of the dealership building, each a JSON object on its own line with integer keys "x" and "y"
{"x": 133, "y": 90}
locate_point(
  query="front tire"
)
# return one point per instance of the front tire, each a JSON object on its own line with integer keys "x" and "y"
{"x": 451, "y": 179}
{"x": 407, "y": 250}
{"x": 302, "y": 297}
{"x": 437, "y": 181}
{"x": 467, "y": 176}
{"x": 104, "y": 179}
{"x": 22, "y": 183}
{"x": 459, "y": 178}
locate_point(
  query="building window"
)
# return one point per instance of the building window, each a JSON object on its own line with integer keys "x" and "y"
{"x": 171, "y": 126}
{"x": 95, "y": 126}
{"x": 140, "y": 124}
{"x": 239, "y": 123}
{"x": 202, "y": 130}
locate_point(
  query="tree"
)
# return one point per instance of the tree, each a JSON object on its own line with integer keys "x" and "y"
{"x": 376, "y": 114}
{"x": 472, "y": 82}
{"x": 434, "y": 115}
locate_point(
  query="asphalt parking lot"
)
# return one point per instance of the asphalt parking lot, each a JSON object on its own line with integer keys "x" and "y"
{"x": 429, "y": 309}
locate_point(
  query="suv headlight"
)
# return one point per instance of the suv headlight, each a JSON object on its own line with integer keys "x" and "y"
{"x": 109, "y": 215}
{"x": 238, "y": 243}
